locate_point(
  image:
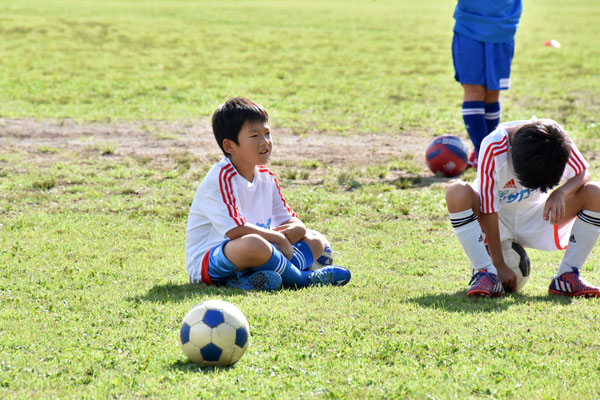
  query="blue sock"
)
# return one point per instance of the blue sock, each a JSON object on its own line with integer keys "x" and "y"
{"x": 492, "y": 115}
{"x": 290, "y": 275}
{"x": 303, "y": 257}
{"x": 473, "y": 113}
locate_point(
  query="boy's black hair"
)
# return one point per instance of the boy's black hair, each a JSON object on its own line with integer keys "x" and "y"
{"x": 228, "y": 119}
{"x": 540, "y": 152}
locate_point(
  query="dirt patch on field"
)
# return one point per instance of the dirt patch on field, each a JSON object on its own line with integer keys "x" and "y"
{"x": 162, "y": 142}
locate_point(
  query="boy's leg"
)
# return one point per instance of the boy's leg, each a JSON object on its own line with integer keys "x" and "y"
{"x": 473, "y": 113}
{"x": 255, "y": 253}
{"x": 223, "y": 272}
{"x": 493, "y": 111}
{"x": 585, "y": 205}
{"x": 463, "y": 207}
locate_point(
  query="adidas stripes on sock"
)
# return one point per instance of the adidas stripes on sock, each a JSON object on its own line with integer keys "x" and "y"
{"x": 492, "y": 115}
{"x": 469, "y": 234}
{"x": 584, "y": 235}
{"x": 290, "y": 275}
{"x": 473, "y": 113}
{"x": 303, "y": 257}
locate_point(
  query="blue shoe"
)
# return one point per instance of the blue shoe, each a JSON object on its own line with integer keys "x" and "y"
{"x": 571, "y": 284}
{"x": 261, "y": 280}
{"x": 485, "y": 284}
{"x": 333, "y": 275}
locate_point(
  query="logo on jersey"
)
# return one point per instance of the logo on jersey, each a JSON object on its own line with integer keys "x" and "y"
{"x": 510, "y": 185}
{"x": 507, "y": 197}
{"x": 266, "y": 226}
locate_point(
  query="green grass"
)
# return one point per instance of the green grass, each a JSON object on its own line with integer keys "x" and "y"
{"x": 93, "y": 285}
{"x": 338, "y": 66}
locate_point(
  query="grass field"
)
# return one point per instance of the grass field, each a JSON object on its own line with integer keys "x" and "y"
{"x": 104, "y": 139}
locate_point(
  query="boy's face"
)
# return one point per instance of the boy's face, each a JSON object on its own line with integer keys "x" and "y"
{"x": 254, "y": 145}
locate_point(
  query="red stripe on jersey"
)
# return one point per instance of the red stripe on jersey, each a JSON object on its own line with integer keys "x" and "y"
{"x": 204, "y": 269}
{"x": 486, "y": 178}
{"x": 241, "y": 220}
{"x": 576, "y": 162}
{"x": 225, "y": 176}
{"x": 262, "y": 168}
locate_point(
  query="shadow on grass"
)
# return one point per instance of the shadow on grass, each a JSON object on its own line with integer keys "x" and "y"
{"x": 459, "y": 302}
{"x": 190, "y": 367}
{"x": 174, "y": 293}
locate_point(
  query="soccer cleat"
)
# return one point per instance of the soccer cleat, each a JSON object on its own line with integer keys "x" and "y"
{"x": 333, "y": 275}
{"x": 485, "y": 284}
{"x": 571, "y": 284}
{"x": 261, "y": 280}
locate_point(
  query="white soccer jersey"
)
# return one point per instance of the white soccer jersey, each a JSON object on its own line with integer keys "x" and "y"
{"x": 497, "y": 183}
{"x": 225, "y": 200}
{"x": 520, "y": 210}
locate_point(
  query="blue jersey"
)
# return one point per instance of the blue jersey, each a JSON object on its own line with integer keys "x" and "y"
{"x": 492, "y": 21}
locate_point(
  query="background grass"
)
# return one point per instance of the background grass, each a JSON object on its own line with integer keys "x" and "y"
{"x": 341, "y": 66}
{"x": 92, "y": 280}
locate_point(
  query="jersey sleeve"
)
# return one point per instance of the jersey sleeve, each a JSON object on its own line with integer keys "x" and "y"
{"x": 575, "y": 164}
{"x": 281, "y": 210}
{"x": 219, "y": 203}
{"x": 487, "y": 176}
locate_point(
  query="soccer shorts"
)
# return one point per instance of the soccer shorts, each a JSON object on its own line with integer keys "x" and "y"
{"x": 480, "y": 63}
{"x": 526, "y": 226}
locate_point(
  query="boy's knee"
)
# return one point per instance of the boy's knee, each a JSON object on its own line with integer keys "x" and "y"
{"x": 316, "y": 242}
{"x": 591, "y": 193}
{"x": 459, "y": 196}
{"x": 248, "y": 251}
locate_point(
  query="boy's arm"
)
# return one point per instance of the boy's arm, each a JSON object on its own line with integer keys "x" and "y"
{"x": 277, "y": 238}
{"x": 555, "y": 207}
{"x": 489, "y": 223}
{"x": 293, "y": 229}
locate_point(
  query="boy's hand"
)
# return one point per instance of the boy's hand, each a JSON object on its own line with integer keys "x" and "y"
{"x": 507, "y": 276}
{"x": 293, "y": 231}
{"x": 284, "y": 246}
{"x": 554, "y": 209}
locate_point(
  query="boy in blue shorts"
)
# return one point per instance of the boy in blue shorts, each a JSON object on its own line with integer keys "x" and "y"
{"x": 241, "y": 232}
{"x": 518, "y": 164}
{"x": 482, "y": 51}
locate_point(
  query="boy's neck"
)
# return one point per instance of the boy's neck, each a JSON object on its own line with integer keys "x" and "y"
{"x": 246, "y": 171}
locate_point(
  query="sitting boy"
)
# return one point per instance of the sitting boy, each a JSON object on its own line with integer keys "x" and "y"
{"x": 240, "y": 231}
{"x": 518, "y": 163}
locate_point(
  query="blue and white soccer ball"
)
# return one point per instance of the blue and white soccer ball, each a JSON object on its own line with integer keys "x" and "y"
{"x": 214, "y": 333}
{"x": 326, "y": 258}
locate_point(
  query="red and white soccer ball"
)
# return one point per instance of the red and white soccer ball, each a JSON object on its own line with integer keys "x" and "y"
{"x": 447, "y": 155}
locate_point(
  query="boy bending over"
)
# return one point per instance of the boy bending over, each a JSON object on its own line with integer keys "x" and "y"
{"x": 518, "y": 164}
{"x": 240, "y": 231}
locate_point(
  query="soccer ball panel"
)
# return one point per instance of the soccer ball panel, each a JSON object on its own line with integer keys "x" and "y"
{"x": 234, "y": 317}
{"x": 241, "y": 337}
{"x": 195, "y": 314}
{"x": 211, "y": 353}
{"x": 213, "y": 318}
{"x": 223, "y": 336}
{"x": 192, "y": 352}
{"x": 200, "y": 334}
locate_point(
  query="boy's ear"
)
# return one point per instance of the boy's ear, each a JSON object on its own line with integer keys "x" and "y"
{"x": 228, "y": 145}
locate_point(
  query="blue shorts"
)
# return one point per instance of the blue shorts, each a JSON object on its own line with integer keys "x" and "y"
{"x": 480, "y": 63}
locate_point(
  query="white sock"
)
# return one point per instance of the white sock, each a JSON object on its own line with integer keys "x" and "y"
{"x": 469, "y": 234}
{"x": 584, "y": 235}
